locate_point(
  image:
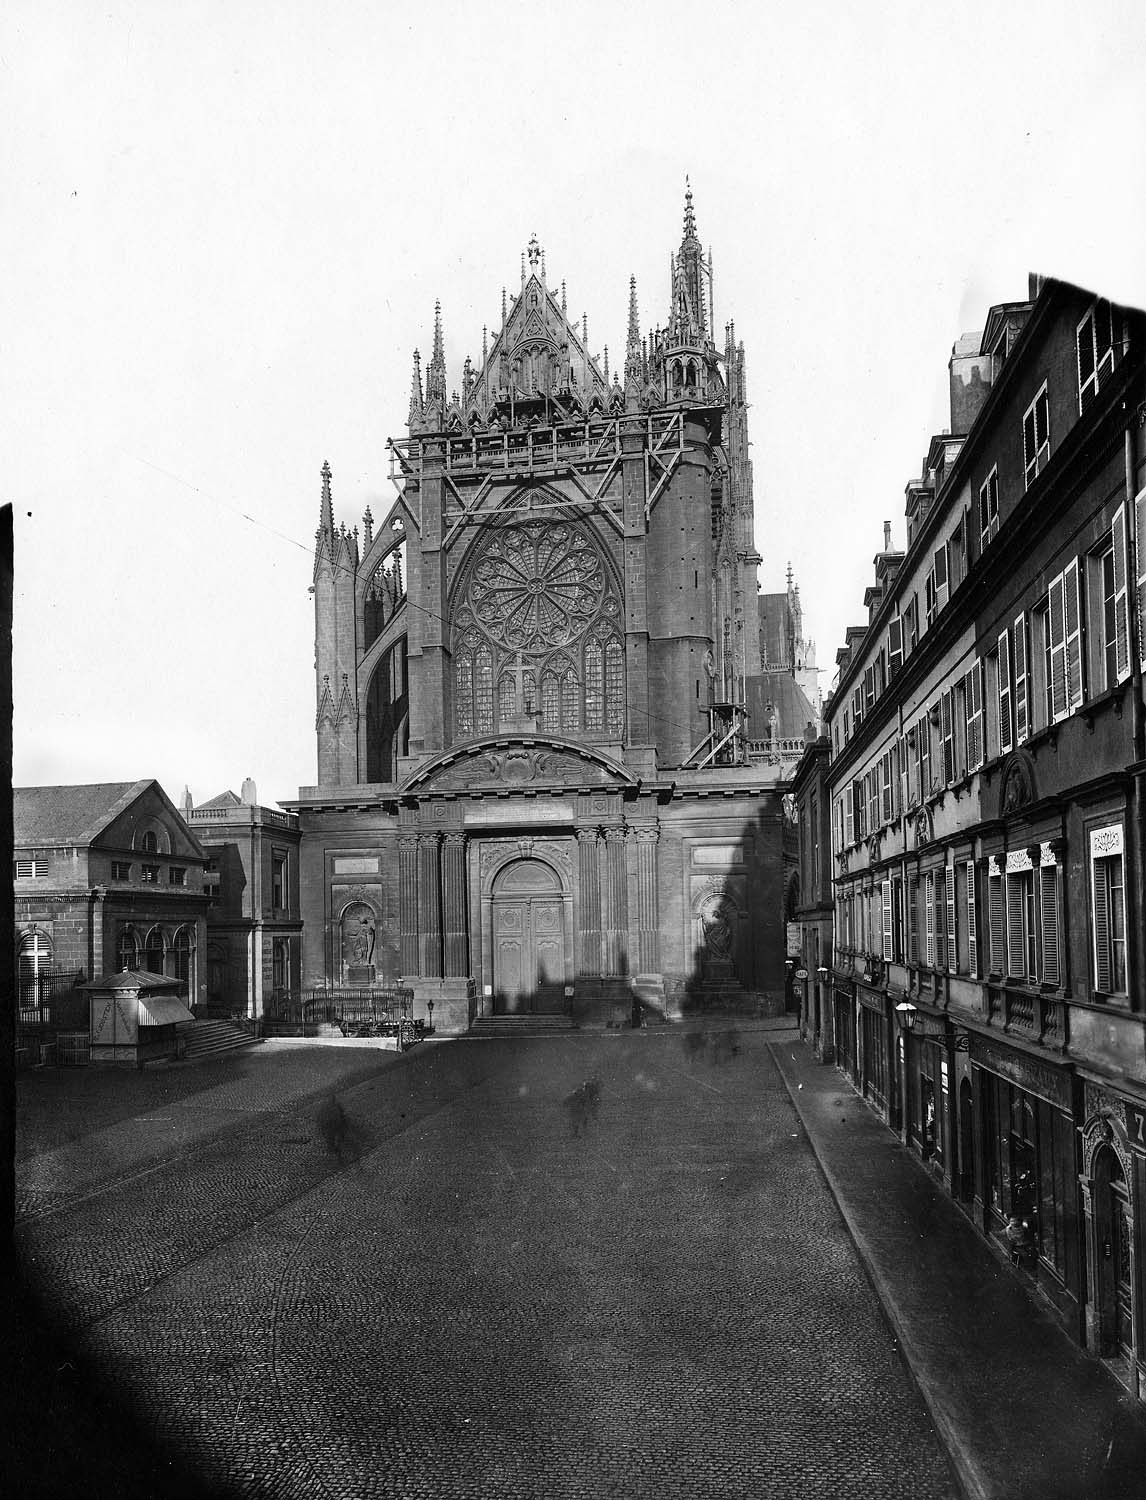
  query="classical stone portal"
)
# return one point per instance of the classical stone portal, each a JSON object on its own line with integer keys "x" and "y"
{"x": 550, "y": 765}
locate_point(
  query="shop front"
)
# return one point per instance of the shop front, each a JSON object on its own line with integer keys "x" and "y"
{"x": 1027, "y": 1172}
{"x": 1113, "y": 1184}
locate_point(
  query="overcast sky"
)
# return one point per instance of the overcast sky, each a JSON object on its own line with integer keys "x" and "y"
{"x": 225, "y": 226}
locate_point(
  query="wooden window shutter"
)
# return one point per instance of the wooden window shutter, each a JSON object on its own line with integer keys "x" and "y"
{"x": 995, "y": 922}
{"x": 894, "y": 644}
{"x": 1016, "y": 948}
{"x": 947, "y": 730}
{"x": 929, "y": 919}
{"x": 1121, "y": 601}
{"x": 952, "y": 948}
{"x": 972, "y": 932}
{"x": 1140, "y": 554}
{"x": 1048, "y": 909}
{"x": 1030, "y": 447}
{"x": 974, "y": 691}
{"x": 1004, "y": 693}
{"x": 1073, "y": 620}
{"x": 849, "y": 819}
{"x": 1100, "y": 885}
{"x": 1020, "y": 648}
{"x": 887, "y": 920}
{"x": 942, "y": 575}
{"x": 1056, "y": 629}
{"x": 1087, "y": 384}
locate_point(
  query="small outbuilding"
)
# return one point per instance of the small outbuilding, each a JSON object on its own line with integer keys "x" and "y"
{"x": 135, "y": 1017}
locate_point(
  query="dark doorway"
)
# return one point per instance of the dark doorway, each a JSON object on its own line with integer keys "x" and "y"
{"x": 966, "y": 1142}
{"x": 528, "y": 913}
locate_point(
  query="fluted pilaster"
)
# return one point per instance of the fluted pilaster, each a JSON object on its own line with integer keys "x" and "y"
{"x": 616, "y": 902}
{"x": 648, "y": 957}
{"x": 408, "y": 903}
{"x": 589, "y": 957}
{"x": 454, "y": 905}
{"x": 429, "y": 907}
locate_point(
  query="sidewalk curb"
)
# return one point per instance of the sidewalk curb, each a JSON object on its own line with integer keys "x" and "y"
{"x": 962, "y": 1461}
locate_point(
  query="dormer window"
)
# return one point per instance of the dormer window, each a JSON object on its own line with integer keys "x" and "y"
{"x": 1095, "y": 342}
{"x": 1036, "y": 436}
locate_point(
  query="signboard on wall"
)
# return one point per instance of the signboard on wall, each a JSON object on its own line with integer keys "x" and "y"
{"x": 794, "y": 939}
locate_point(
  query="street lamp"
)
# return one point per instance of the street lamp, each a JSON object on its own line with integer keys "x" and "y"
{"x": 430, "y": 1008}
{"x": 908, "y": 1014}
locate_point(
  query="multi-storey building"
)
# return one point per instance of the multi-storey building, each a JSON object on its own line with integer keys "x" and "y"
{"x": 988, "y": 755}
{"x": 254, "y": 930}
{"x": 550, "y": 763}
{"x": 107, "y": 877}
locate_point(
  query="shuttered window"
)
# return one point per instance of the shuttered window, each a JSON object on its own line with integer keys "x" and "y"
{"x": 894, "y": 645}
{"x": 974, "y": 699}
{"x": 1020, "y": 689}
{"x": 886, "y": 901}
{"x": 1036, "y": 436}
{"x": 923, "y": 752}
{"x": 1095, "y": 343}
{"x": 1056, "y": 627}
{"x": 972, "y": 930}
{"x": 913, "y": 919}
{"x": 989, "y": 507}
{"x": 929, "y": 919}
{"x": 1019, "y": 927}
{"x": 952, "y": 946}
{"x": 1005, "y": 740}
{"x": 1121, "y": 601}
{"x": 1108, "y": 910}
{"x": 1050, "y": 967}
{"x": 849, "y": 819}
{"x": 995, "y": 921}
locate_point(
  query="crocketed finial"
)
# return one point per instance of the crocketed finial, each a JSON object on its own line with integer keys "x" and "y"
{"x": 689, "y": 216}
{"x": 326, "y": 509}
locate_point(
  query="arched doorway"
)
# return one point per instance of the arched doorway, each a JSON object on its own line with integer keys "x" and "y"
{"x": 528, "y": 939}
{"x": 1113, "y": 1294}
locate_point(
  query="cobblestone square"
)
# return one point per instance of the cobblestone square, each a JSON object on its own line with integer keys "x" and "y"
{"x": 464, "y": 1295}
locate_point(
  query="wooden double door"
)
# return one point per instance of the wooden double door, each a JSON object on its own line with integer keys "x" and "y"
{"x": 528, "y": 912}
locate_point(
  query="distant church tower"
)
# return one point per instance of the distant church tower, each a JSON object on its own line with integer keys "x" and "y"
{"x": 534, "y": 674}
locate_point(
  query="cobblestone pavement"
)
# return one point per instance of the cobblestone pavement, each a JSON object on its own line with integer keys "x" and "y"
{"x": 457, "y": 1284}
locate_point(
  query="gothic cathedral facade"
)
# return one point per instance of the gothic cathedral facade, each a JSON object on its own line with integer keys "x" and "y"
{"x": 550, "y": 768}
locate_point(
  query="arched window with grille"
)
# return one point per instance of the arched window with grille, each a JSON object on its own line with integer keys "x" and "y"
{"x": 150, "y": 843}
{"x": 155, "y": 950}
{"x": 127, "y": 949}
{"x": 35, "y": 963}
{"x": 182, "y": 952}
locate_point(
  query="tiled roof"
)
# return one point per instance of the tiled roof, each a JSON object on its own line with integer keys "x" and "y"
{"x": 224, "y": 799}
{"x": 69, "y": 814}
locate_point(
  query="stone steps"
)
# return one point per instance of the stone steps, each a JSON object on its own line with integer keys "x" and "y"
{"x": 524, "y": 1024}
{"x": 209, "y": 1038}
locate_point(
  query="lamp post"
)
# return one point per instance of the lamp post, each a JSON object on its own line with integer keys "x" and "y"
{"x": 430, "y": 1008}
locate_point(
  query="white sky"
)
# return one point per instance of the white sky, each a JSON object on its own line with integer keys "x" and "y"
{"x": 224, "y": 226}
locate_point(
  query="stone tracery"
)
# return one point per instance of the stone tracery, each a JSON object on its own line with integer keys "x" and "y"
{"x": 536, "y": 634}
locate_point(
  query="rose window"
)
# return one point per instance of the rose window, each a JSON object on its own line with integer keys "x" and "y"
{"x": 537, "y": 586}
{"x": 537, "y": 636}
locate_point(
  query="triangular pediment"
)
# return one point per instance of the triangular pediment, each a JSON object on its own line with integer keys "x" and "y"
{"x": 530, "y": 763}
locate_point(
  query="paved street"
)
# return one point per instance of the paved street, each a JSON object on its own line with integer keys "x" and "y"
{"x": 475, "y": 1289}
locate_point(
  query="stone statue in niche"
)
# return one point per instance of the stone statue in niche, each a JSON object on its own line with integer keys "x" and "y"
{"x": 359, "y": 934}
{"x": 717, "y": 930}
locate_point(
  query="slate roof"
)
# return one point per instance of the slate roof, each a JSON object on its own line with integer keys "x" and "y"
{"x": 793, "y": 711}
{"x": 136, "y": 978}
{"x": 70, "y": 814}
{"x": 224, "y": 799}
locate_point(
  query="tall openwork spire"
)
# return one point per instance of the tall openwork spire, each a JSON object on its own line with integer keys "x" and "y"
{"x": 634, "y": 361}
{"x": 326, "y": 508}
{"x": 688, "y": 323}
{"x": 436, "y": 374}
{"x": 416, "y": 402}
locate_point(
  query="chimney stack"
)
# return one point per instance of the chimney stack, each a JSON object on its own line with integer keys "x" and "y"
{"x": 887, "y": 536}
{"x": 250, "y": 796}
